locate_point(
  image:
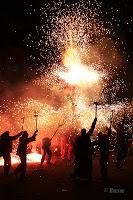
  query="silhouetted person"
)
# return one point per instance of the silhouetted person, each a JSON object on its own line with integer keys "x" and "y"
{"x": 22, "y": 152}
{"x": 130, "y": 141}
{"x": 46, "y": 143}
{"x": 103, "y": 143}
{"x": 122, "y": 145}
{"x": 6, "y": 149}
{"x": 83, "y": 154}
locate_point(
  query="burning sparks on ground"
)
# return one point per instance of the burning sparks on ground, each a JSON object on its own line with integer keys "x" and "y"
{"x": 31, "y": 158}
{"x": 34, "y": 157}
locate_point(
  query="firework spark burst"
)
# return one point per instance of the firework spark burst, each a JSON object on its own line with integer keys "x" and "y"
{"x": 81, "y": 57}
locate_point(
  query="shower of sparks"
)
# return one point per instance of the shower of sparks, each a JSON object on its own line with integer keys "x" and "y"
{"x": 81, "y": 57}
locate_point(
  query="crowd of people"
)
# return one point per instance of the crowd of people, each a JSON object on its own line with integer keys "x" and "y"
{"x": 80, "y": 149}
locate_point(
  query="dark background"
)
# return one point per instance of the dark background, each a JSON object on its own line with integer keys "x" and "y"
{"x": 19, "y": 18}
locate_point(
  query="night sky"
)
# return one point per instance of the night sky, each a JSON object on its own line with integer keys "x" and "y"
{"x": 20, "y": 18}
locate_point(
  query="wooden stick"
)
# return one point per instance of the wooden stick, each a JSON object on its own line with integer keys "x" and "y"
{"x": 111, "y": 117}
{"x": 57, "y": 129}
{"x": 96, "y": 104}
{"x": 23, "y": 123}
{"x": 36, "y": 116}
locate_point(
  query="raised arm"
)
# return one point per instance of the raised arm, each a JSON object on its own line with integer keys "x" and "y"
{"x": 16, "y": 136}
{"x": 33, "y": 137}
{"x": 90, "y": 132}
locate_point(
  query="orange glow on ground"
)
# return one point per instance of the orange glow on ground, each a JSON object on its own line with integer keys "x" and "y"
{"x": 31, "y": 158}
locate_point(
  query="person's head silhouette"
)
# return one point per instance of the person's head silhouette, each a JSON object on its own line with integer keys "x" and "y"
{"x": 25, "y": 134}
{"x": 83, "y": 131}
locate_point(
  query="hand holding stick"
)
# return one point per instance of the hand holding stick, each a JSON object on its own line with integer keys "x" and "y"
{"x": 35, "y": 134}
